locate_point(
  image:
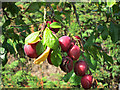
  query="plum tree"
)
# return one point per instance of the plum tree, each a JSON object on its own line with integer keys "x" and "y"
{"x": 67, "y": 64}
{"x": 65, "y": 43}
{"x": 80, "y": 68}
{"x": 86, "y": 81}
{"x": 74, "y": 52}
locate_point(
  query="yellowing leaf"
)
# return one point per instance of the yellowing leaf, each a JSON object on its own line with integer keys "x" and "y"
{"x": 42, "y": 57}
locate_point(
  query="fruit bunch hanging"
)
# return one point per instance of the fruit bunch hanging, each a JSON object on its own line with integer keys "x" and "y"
{"x": 51, "y": 48}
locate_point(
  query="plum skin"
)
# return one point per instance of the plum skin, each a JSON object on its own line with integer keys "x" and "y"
{"x": 30, "y": 50}
{"x": 65, "y": 43}
{"x": 86, "y": 81}
{"x": 74, "y": 52}
{"x": 80, "y": 68}
{"x": 67, "y": 64}
{"x": 77, "y": 37}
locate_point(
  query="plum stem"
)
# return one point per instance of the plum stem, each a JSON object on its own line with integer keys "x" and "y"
{"x": 90, "y": 72}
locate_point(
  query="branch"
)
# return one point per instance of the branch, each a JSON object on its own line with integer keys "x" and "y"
{"x": 25, "y": 24}
{"x": 77, "y": 18}
{"x": 5, "y": 13}
{"x": 51, "y": 10}
{"x": 45, "y": 14}
{"x": 27, "y": 8}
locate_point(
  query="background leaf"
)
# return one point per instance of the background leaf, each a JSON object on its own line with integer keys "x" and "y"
{"x": 114, "y": 30}
{"x": 91, "y": 62}
{"x": 34, "y": 6}
{"x": 107, "y": 58}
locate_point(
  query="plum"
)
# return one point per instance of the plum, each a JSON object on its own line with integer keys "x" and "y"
{"x": 80, "y": 68}
{"x": 30, "y": 50}
{"x": 86, "y": 81}
{"x": 65, "y": 43}
{"x": 74, "y": 52}
{"x": 67, "y": 64}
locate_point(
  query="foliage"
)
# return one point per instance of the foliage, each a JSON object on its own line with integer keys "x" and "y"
{"x": 97, "y": 24}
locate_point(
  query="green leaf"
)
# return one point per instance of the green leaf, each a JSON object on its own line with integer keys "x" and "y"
{"x": 19, "y": 73}
{"x": 107, "y": 58}
{"x": 22, "y": 60}
{"x": 105, "y": 33}
{"x": 114, "y": 30}
{"x": 34, "y": 6}
{"x": 89, "y": 42}
{"x": 48, "y": 25}
{"x": 56, "y": 57}
{"x": 7, "y": 22}
{"x": 14, "y": 64}
{"x": 91, "y": 62}
{"x": 76, "y": 80}
{"x": 110, "y": 3}
{"x": 67, "y": 76}
{"x": 49, "y": 39}
{"x": 39, "y": 48}
{"x": 116, "y": 9}
{"x": 32, "y": 38}
{"x": 99, "y": 1}
{"x": 74, "y": 28}
{"x": 10, "y": 46}
{"x": 55, "y": 25}
{"x": 2, "y": 37}
{"x": 94, "y": 52}
{"x": 3, "y": 56}
{"x": 100, "y": 28}
{"x": 2, "y": 50}
{"x": 12, "y": 8}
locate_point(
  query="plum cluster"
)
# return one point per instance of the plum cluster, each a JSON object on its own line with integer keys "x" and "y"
{"x": 80, "y": 67}
{"x": 73, "y": 53}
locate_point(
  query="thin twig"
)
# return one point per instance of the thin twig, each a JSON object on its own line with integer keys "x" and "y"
{"x": 27, "y": 8}
{"x": 25, "y": 24}
{"x": 5, "y": 13}
{"x": 77, "y": 18}
{"x": 51, "y": 10}
{"x": 45, "y": 14}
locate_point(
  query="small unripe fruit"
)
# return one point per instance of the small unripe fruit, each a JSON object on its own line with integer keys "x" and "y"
{"x": 80, "y": 68}
{"x": 86, "y": 81}
{"x": 77, "y": 37}
{"x": 65, "y": 43}
{"x": 74, "y": 52}
{"x": 30, "y": 50}
{"x": 48, "y": 22}
{"x": 67, "y": 64}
